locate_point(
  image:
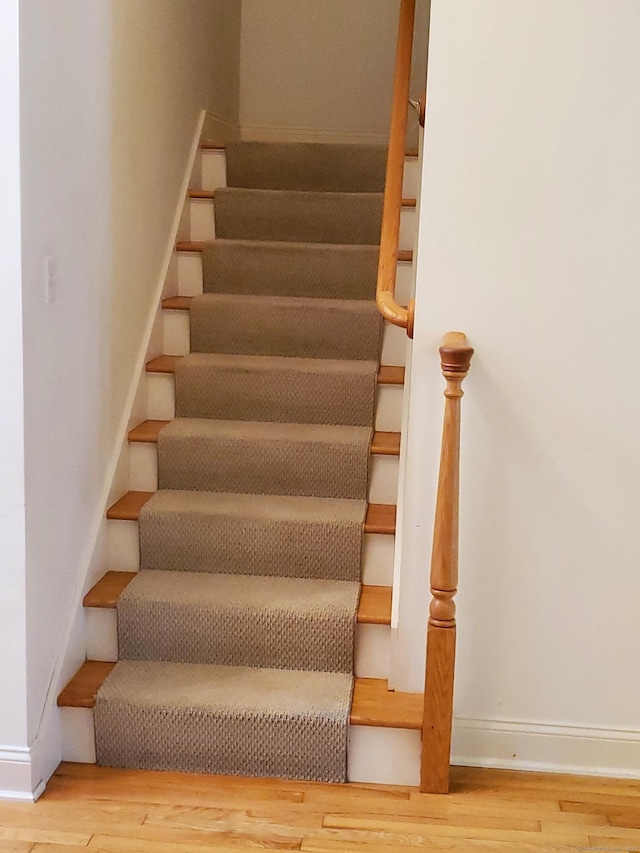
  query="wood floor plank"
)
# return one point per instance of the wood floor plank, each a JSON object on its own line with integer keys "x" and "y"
{"x": 16, "y": 847}
{"x": 45, "y": 836}
{"x": 128, "y": 811}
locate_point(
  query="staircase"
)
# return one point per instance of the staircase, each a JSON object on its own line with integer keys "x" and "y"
{"x": 263, "y": 490}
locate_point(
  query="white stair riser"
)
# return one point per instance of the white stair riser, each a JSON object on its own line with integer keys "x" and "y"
{"x": 203, "y": 221}
{"x": 190, "y": 277}
{"x": 375, "y": 754}
{"x": 408, "y": 225}
{"x": 411, "y": 178}
{"x": 371, "y": 648}
{"x": 203, "y": 226}
{"x": 213, "y": 168}
{"x": 176, "y": 338}
{"x": 78, "y": 738}
{"x": 383, "y": 756}
{"x": 404, "y": 283}
{"x": 383, "y": 473}
{"x": 123, "y": 552}
{"x": 372, "y": 651}
{"x": 161, "y": 402}
{"x": 190, "y": 273}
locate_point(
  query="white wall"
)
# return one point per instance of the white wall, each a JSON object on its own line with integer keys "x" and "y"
{"x": 529, "y": 243}
{"x": 313, "y": 70}
{"x": 15, "y": 772}
{"x": 111, "y": 93}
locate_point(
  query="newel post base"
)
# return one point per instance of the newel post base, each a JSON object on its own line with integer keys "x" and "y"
{"x": 438, "y": 710}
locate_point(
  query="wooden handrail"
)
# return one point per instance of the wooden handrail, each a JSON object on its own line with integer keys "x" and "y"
{"x": 390, "y": 233}
{"x": 455, "y": 356}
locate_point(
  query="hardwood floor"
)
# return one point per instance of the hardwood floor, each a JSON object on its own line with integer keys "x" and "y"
{"x": 119, "y": 811}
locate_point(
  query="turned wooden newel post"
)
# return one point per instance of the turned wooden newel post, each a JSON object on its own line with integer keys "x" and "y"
{"x": 455, "y": 355}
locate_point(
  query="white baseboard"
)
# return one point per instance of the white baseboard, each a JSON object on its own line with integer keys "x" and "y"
{"x": 16, "y": 773}
{"x": 545, "y": 747}
{"x": 313, "y": 134}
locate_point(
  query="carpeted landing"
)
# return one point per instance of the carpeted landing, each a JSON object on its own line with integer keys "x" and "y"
{"x": 236, "y": 639}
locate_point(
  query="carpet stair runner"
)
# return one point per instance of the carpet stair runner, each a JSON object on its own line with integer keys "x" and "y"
{"x": 236, "y": 638}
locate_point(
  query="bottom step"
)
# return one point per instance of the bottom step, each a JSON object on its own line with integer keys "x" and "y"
{"x": 225, "y": 720}
{"x": 383, "y": 732}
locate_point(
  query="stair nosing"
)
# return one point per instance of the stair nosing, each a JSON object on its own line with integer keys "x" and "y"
{"x": 388, "y": 374}
{"x": 370, "y": 611}
{"x": 408, "y": 203}
{"x": 209, "y": 145}
{"x": 147, "y": 432}
{"x": 380, "y": 518}
{"x": 395, "y": 710}
{"x": 197, "y": 247}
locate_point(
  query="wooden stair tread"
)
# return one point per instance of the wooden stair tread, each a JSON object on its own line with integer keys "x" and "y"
{"x": 385, "y": 443}
{"x": 373, "y": 704}
{"x": 197, "y": 246}
{"x": 374, "y": 607}
{"x": 388, "y": 374}
{"x": 380, "y": 518}
{"x": 190, "y": 246}
{"x": 163, "y": 364}
{"x": 81, "y": 691}
{"x": 106, "y": 592}
{"x": 382, "y": 444}
{"x": 209, "y": 145}
{"x": 147, "y": 431}
{"x": 129, "y": 506}
{"x": 209, "y": 195}
{"x": 177, "y": 303}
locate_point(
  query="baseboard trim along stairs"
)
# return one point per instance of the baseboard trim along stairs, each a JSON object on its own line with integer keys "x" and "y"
{"x": 217, "y": 640}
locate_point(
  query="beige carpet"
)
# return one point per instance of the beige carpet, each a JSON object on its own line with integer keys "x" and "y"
{"x": 236, "y": 639}
{"x": 268, "y": 268}
{"x": 232, "y": 720}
